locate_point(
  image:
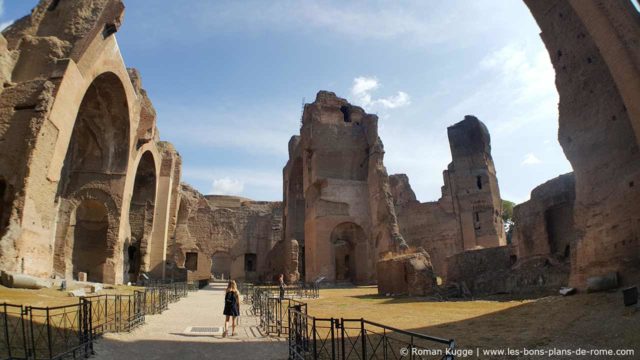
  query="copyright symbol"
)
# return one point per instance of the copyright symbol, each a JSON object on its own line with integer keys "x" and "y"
{"x": 404, "y": 351}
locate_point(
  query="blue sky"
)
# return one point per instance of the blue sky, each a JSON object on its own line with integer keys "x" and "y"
{"x": 228, "y": 78}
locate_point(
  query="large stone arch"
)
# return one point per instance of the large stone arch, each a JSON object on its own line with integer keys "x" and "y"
{"x": 593, "y": 48}
{"x": 141, "y": 215}
{"x": 75, "y": 238}
{"x": 97, "y": 157}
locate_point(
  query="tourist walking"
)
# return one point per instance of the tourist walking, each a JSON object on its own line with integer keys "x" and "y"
{"x": 282, "y": 286}
{"x": 231, "y": 307}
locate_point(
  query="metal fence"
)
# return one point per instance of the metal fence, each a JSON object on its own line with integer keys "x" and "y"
{"x": 34, "y": 333}
{"x": 320, "y": 338}
{"x": 271, "y": 309}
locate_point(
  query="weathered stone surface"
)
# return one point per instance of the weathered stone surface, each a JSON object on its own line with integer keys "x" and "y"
{"x": 544, "y": 224}
{"x": 407, "y": 274}
{"x": 593, "y": 46}
{"x": 467, "y": 216}
{"x": 79, "y": 158}
{"x": 235, "y": 232}
{"x": 337, "y": 199}
{"x": 492, "y": 271}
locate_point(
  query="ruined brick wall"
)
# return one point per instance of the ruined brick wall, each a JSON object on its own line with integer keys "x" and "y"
{"x": 408, "y": 274}
{"x": 544, "y": 224}
{"x": 239, "y": 228}
{"x": 337, "y": 200}
{"x": 467, "y": 216}
{"x": 74, "y": 125}
{"x": 495, "y": 271}
{"x": 593, "y": 46}
{"x": 431, "y": 225}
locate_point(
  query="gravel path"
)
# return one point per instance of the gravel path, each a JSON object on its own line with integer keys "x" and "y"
{"x": 162, "y": 336}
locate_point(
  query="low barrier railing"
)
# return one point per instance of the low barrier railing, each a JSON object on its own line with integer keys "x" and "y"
{"x": 34, "y": 333}
{"x": 272, "y": 310}
{"x": 333, "y": 338}
{"x": 310, "y": 337}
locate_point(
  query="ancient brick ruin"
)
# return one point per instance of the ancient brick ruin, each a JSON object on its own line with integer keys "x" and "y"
{"x": 224, "y": 236}
{"x": 338, "y": 209}
{"x": 593, "y": 46}
{"x": 86, "y": 185}
{"x": 82, "y": 168}
{"x": 467, "y": 216}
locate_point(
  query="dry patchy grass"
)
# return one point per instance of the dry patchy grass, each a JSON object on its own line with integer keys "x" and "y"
{"x": 52, "y": 297}
{"x": 587, "y": 320}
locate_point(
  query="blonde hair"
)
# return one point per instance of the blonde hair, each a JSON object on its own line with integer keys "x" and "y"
{"x": 231, "y": 286}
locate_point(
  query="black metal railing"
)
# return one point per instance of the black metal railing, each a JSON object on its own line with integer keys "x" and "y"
{"x": 333, "y": 338}
{"x": 271, "y": 309}
{"x": 34, "y": 333}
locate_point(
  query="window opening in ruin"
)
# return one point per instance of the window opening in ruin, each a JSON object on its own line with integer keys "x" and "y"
{"x": 479, "y": 182}
{"x": 250, "y": 262}
{"x": 345, "y": 113}
{"x": 567, "y": 251}
{"x": 514, "y": 259}
{"x": 191, "y": 262}
{"x": 476, "y": 223}
{"x": 54, "y": 5}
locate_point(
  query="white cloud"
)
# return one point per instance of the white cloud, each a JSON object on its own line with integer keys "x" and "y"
{"x": 531, "y": 159}
{"x": 227, "y": 186}
{"x": 236, "y": 180}
{"x": 361, "y": 91}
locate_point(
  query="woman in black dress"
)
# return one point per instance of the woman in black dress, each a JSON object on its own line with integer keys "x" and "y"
{"x": 231, "y": 306}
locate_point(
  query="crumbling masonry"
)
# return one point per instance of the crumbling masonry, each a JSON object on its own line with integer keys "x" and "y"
{"x": 86, "y": 186}
{"x": 85, "y": 182}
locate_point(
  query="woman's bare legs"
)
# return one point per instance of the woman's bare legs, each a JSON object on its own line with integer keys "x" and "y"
{"x": 226, "y": 321}
{"x": 233, "y": 325}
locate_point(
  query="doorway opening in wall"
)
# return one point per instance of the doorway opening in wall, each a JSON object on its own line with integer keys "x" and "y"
{"x": 191, "y": 261}
{"x": 559, "y": 226}
{"x": 250, "y": 262}
{"x": 349, "y": 253}
{"x": 90, "y": 240}
{"x": 221, "y": 265}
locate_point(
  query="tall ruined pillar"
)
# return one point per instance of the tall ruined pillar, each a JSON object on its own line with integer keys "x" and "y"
{"x": 163, "y": 217}
{"x": 474, "y": 186}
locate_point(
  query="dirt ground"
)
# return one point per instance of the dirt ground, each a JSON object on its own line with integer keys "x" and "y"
{"x": 584, "y": 320}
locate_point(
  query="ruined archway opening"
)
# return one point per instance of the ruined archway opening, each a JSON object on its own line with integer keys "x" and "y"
{"x": 349, "y": 253}
{"x": 96, "y": 160}
{"x": 141, "y": 211}
{"x": 90, "y": 240}
{"x": 221, "y": 265}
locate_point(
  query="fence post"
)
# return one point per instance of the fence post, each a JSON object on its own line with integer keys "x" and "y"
{"x": 363, "y": 335}
{"x": 315, "y": 342}
{"x": 342, "y": 337}
{"x": 25, "y": 341}
{"x": 6, "y": 329}
{"x": 333, "y": 341}
{"x": 49, "y": 335}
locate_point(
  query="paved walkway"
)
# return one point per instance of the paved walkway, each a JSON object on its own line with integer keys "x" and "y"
{"x": 162, "y": 337}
